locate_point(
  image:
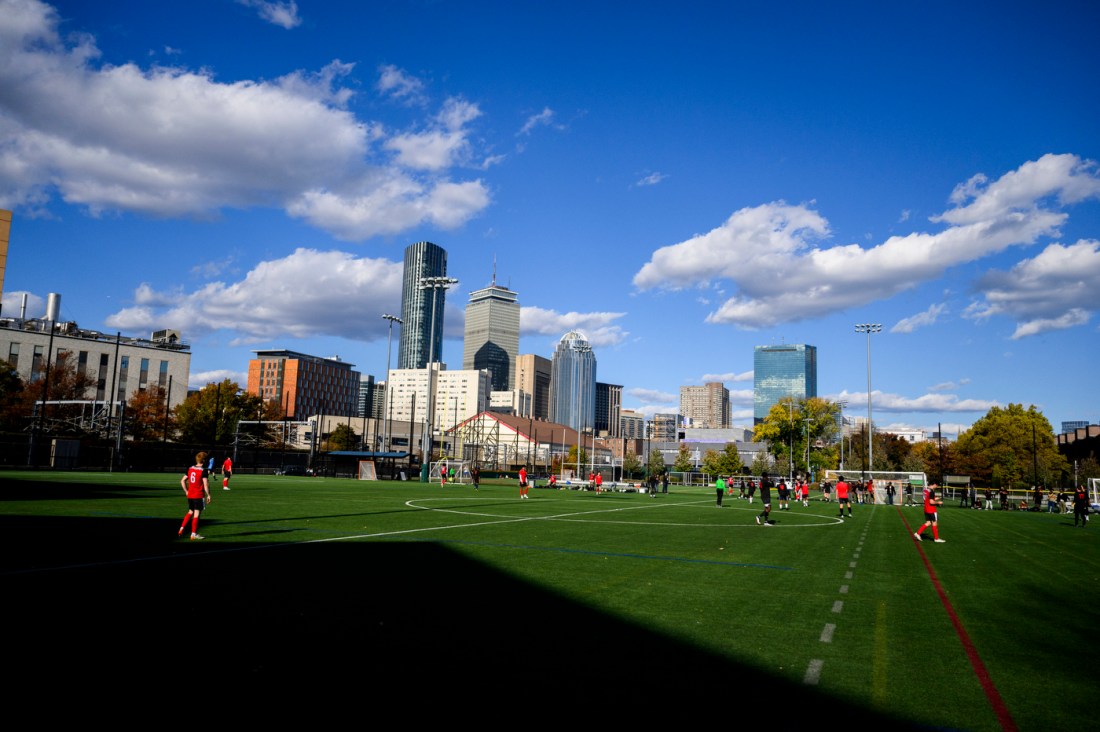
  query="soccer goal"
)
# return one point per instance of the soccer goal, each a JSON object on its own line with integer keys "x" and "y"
{"x": 367, "y": 471}
{"x": 881, "y": 479}
{"x": 1094, "y": 494}
{"x": 457, "y": 471}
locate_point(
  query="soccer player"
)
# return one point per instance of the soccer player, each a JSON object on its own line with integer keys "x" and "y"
{"x": 523, "y": 482}
{"x": 784, "y": 493}
{"x": 931, "y": 515}
{"x": 1081, "y": 506}
{"x": 475, "y": 476}
{"x": 752, "y": 489}
{"x": 196, "y": 486}
{"x": 599, "y": 482}
{"x": 227, "y": 472}
{"x": 842, "y": 496}
{"x": 720, "y": 489}
{"x": 766, "y": 499}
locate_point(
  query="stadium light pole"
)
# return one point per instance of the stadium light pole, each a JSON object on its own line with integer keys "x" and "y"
{"x": 435, "y": 284}
{"x": 869, "y": 328}
{"x": 842, "y": 403}
{"x": 389, "y": 343}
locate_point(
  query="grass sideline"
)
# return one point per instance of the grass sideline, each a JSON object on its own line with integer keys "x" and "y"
{"x": 642, "y": 605}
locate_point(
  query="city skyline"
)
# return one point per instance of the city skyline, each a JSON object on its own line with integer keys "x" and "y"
{"x": 677, "y": 196}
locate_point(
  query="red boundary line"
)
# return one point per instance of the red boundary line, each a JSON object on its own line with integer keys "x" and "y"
{"x": 991, "y": 693}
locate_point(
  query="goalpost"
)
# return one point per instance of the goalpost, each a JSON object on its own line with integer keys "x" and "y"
{"x": 367, "y": 471}
{"x": 458, "y": 471}
{"x": 881, "y": 478}
{"x": 1094, "y": 494}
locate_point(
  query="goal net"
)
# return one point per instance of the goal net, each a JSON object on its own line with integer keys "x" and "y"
{"x": 456, "y": 471}
{"x": 367, "y": 471}
{"x": 1094, "y": 493}
{"x": 880, "y": 479}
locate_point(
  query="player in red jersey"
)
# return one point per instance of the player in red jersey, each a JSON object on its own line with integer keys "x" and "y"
{"x": 227, "y": 472}
{"x": 842, "y": 497}
{"x": 523, "y": 482}
{"x": 931, "y": 514}
{"x": 196, "y": 486}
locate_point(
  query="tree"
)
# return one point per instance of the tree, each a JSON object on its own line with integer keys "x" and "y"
{"x": 342, "y": 437}
{"x": 631, "y": 464}
{"x": 798, "y": 424}
{"x": 656, "y": 464}
{"x": 571, "y": 460}
{"x": 1012, "y": 447}
{"x": 61, "y": 382}
{"x": 145, "y": 414}
{"x": 761, "y": 463}
{"x": 684, "y": 462}
{"x": 210, "y": 415}
{"x": 11, "y": 398}
{"x": 724, "y": 462}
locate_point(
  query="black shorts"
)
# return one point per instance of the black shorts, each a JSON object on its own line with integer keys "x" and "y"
{"x": 934, "y": 516}
{"x": 196, "y": 504}
{"x": 766, "y": 497}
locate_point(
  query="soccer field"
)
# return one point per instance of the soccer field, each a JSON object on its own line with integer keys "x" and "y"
{"x": 615, "y": 606}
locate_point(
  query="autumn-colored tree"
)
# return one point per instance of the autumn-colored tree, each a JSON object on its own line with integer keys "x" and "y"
{"x": 210, "y": 415}
{"x": 61, "y": 382}
{"x": 806, "y": 426}
{"x": 146, "y": 414}
{"x": 1012, "y": 447}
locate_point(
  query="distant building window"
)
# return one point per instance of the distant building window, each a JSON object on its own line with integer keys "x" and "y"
{"x": 13, "y": 355}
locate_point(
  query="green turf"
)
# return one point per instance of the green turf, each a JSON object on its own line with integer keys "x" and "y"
{"x": 416, "y": 591}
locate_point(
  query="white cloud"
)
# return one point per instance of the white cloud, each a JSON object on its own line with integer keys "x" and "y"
{"x": 728, "y": 376}
{"x": 545, "y": 118}
{"x": 882, "y": 402}
{"x": 12, "y": 304}
{"x": 599, "y": 328}
{"x": 741, "y": 396}
{"x": 299, "y": 296}
{"x": 949, "y": 385}
{"x": 169, "y": 141}
{"x": 927, "y": 317}
{"x": 198, "y": 380}
{"x": 282, "y": 14}
{"x": 650, "y": 180}
{"x": 652, "y": 396}
{"x": 400, "y": 85}
{"x": 904, "y": 216}
{"x": 1052, "y": 291}
{"x": 774, "y": 249}
{"x": 444, "y": 145}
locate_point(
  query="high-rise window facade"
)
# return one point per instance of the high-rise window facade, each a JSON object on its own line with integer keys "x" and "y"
{"x": 491, "y": 339}
{"x": 573, "y": 382}
{"x": 707, "y": 405}
{"x": 421, "y": 338}
{"x": 780, "y": 372}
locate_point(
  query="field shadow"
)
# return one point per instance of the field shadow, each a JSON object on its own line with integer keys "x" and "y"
{"x": 105, "y": 610}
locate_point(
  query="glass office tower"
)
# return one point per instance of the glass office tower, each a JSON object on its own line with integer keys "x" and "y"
{"x": 573, "y": 383}
{"x": 422, "y": 259}
{"x": 780, "y": 372}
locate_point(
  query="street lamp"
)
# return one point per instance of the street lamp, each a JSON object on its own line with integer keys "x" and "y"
{"x": 869, "y": 328}
{"x": 842, "y": 403}
{"x": 435, "y": 284}
{"x": 389, "y": 385}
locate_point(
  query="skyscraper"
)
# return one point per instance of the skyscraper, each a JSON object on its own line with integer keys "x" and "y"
{"x": 533, "y": 377}
{"x": 573, "y": 382}
{"x": 707, "y": 405}
{"x": 491, "y": 339}
{"x": 422, "y": 259}
{"x": 609, "y": 403}
{"x": 779, "y": 372}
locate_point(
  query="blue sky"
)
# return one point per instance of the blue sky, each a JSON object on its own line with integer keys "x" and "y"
{"x": 679, "y": 181}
